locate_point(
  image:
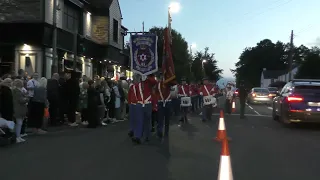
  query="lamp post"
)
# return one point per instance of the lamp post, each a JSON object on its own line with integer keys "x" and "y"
{"x": 202, "y": 65}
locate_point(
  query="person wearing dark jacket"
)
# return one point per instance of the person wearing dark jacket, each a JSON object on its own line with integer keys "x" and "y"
{"x": 72, "y": 92}
{"x": 6, "y": 100}
{"x": 63, "y": 102}
{"x": 92, "y": 108}
{"x": 53, "y": 98}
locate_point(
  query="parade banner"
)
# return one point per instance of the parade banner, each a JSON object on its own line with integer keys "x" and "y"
{"x": 167, "y": 62}
{"x": 144, "y": 54}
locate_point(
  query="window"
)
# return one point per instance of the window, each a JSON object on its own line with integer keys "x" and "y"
{"x": 115, "y": 30}
{"x": 70, "y": 18}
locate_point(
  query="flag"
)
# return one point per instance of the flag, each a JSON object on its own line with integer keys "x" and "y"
{"x": 167, "y": 61}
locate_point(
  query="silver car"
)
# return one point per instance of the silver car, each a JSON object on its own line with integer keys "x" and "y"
{"x": 259, "y": 95}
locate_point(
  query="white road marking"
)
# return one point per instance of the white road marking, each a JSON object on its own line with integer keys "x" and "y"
{"x": 250, "y": 107}
{"x": 255, "y": 115}
{"x": 270, "y": 108}
{"x": 256, "y": 112}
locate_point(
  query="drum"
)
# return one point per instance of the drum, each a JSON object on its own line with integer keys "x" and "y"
{"x": 186, "y": 102}
{"x": 208, "y": 100}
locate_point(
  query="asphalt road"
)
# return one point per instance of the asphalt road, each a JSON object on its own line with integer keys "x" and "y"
{"x": 260, "y": 149}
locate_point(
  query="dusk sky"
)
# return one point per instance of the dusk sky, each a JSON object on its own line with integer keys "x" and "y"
{"x": 228, "y": 26}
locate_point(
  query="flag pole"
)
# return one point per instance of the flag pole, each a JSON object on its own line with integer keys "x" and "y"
{"x": 142, "y": 27}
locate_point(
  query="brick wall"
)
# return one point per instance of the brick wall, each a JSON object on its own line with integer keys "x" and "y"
{"x": 20, "y": 11}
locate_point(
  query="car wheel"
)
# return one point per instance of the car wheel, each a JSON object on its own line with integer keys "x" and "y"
{"x": 274, "y": 115}
{"x": 284, "y": 120}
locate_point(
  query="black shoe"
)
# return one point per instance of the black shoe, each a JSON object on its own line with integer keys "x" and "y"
{"x": 130, "y": 134}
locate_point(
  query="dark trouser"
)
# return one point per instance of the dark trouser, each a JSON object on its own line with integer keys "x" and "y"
{"x": 132, "y": 118}
{"x": 228, "y": 106}
{"x": 23, "y": 127}
{"x": 184, "y": 115}
{"x": 143, "y": 118}
{"x": 242, "y": 107}
{"x": 111, "y": 112}
{"x": 72, "y": 113}
{"x": 176, "y": 106}
{"x": 84, "y": 114}
{"x": 53, "y": 110}
{"x": 194, "y": 103}
{"x": 207, "y": 112}
{"x": 164, "y": 114}
{"x": 36, "y": 115}
{"x": 154, "y": 118}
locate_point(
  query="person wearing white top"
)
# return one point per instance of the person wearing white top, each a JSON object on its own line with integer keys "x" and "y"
{"x": 229, "y": 98}
{"x": 32, "y": 83}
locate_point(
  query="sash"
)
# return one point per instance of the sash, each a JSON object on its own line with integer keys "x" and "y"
{"x": 161, "y": 95}
{"x": 207, "y": 100}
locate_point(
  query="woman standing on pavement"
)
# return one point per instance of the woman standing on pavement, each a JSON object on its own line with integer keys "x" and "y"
{"x": 38, "y": 104}
{"x": 19, "y": 106}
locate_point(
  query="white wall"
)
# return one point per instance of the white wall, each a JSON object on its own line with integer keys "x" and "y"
{"x": 35, "y": 54}
{"x": 115, "y": 13}
{"x": 285, "y": 77}
{"x": 265, "y": 83}
{"x": 49, "y": 12}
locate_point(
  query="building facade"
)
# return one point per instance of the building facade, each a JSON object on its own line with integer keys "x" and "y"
{"x": 90, "y": 28}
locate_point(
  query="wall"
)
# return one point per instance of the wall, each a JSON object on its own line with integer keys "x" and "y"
{"x": 115, "y": 13}
{"x": 49, "y": 12}
{"x": 23, "y": 52}
{"x": 286, "y": 78}
{"x": 20, "y": 10}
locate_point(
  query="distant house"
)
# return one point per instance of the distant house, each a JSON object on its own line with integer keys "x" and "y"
{"x": 285, "y": 77}
{"x": 270, "y": 76}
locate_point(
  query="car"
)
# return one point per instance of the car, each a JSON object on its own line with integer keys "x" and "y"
{"x": 298, "y": 101}
{"x": 273, "y": 91}
{"x": 259, "y": 95}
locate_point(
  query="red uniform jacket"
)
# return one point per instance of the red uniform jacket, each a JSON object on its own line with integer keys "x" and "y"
{"x": 184, "y": 90}
{"x": 132, "y": 94}
{"x": 210, "y": 89}
{"x": 163, "y": 92}
{"x": 144, "y": 90}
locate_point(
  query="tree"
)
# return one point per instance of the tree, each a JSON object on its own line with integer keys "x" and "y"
{"x": 309, "y": 68}
{"x": 180, "y": 52}
{"x": 266, "y": 54}
{"x": 205, "y": 64}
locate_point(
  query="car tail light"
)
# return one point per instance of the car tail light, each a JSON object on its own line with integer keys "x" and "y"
{"x": 253, "y": 95}
{"x": 270, "y": 95}
{"x": 236, "y": 92}
{"x": 294, "y": 99}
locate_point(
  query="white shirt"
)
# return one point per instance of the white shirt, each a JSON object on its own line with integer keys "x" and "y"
{"x": 229, "y": 94}
{"x": 32, "y": 84}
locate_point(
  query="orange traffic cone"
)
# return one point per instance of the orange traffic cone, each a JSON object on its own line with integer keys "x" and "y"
{"x": 233, "y": 106}
{"x": 225, "y": 169}
{"x": 222, "y": 133}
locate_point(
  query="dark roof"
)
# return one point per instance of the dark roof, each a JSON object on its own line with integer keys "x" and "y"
{"x": 272, "y": 74}
{"x": 126, "y": 29}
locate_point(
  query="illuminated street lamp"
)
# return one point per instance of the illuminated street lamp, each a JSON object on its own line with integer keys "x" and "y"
{"x": 174, "y": 7}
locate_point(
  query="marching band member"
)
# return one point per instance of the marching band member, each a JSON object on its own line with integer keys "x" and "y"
{"x": 184, "y": 93}
{"x": 132, "y": 101}
{"x": 229, "y": 98}
{"x": 208, "y": 92}
{"x": 164, "y": 107}
{"x": 143, "y": 108}
{"x": 154, "y": 109}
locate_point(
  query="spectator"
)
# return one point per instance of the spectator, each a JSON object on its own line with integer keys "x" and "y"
{"x": 6, "y": 100}
{"x": 20, "y": 107}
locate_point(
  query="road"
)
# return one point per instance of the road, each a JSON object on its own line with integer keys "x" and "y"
{"x": 260, "y": 149}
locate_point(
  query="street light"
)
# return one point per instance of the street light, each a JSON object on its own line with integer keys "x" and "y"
{"x": 174, "y": 7}
{"x": 203, "y": 61}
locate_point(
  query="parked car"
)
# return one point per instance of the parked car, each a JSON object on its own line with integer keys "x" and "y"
{"x": 259, "y": 95}
{"x": 298, "y": 101}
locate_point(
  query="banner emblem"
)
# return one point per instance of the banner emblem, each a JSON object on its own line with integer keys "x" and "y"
{"x": 144, "y": 54}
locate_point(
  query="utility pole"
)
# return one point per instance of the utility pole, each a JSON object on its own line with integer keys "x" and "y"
{"x": 54, "y": 66}
{"x": 143, "y": 27}
{"x": 291, "y": 55}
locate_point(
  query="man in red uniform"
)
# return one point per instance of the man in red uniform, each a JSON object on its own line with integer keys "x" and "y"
{"x": 132, "y": 101}
{"x": 207, "y": 91}
{"x": 194, "y": 95}
{"x": 144, "y": 108}
{"x": 164, "y": 107}
{"x": 154, "y": 109}
{"x": 184, "y": 94}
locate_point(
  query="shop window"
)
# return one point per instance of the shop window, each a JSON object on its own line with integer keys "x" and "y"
{"x": 115, "y": 30}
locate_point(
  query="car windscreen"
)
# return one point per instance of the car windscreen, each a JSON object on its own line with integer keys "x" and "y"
{"x": 261, "y": 90}
{"x": 272, "y": 89}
